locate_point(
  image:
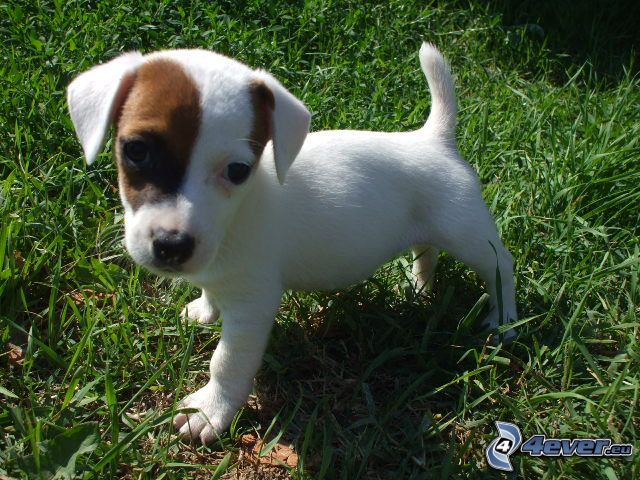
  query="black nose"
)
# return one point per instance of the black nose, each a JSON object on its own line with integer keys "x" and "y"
{"x": 172, "y": 247}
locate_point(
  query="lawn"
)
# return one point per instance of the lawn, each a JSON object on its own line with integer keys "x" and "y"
{"x": 374, "y": 382}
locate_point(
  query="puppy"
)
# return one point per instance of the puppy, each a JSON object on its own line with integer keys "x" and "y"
{"x": 205, "y": 149}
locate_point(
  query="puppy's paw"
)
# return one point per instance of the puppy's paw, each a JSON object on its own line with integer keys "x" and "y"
{"x": 493, "y": 321}
{"x": 424, "y": 268}
{"x": 421, "y": 285}
{"x": 214, "y": 416}
{"x": 200, "y": 311}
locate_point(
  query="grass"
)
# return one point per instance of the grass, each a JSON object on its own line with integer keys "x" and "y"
{"x": 373, "y": 382}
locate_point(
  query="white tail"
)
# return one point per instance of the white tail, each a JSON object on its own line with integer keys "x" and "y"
{"x": 442, "y": 119}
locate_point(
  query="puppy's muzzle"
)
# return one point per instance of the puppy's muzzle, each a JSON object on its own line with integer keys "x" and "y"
{"x": 171, "y": 248}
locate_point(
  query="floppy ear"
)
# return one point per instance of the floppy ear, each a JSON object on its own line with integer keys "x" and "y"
{"x": 289, "y": 125}
{"x": 95, "y": 97}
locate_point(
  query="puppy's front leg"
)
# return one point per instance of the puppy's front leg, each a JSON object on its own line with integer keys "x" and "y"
{"x": 201, "y": 310}
{"x": 245, "y": 333}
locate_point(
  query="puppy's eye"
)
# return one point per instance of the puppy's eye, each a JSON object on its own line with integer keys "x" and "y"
{"x": 136, "y": 151}
{"x": 238, "y": 172}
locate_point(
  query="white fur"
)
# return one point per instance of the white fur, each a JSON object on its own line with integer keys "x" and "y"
{"x": 351, "y": 201}
{"x": 92, "y": 100}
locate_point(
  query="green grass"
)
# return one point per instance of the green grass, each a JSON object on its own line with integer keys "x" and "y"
{"x": 368, "y": 383}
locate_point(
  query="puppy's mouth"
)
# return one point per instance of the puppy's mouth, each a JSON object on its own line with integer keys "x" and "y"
{"x": 170, "y": 270}
{"x": 166, "y": 270}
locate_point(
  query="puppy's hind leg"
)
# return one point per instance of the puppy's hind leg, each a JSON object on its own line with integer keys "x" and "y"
{"x": 470, "y": 235}
{"x": 425, "y": 259}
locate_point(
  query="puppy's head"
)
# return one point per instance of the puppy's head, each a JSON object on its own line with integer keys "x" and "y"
{"x": 191, "y": 128}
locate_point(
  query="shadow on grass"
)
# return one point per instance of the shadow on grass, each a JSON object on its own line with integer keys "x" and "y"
{"x": 375, "y": 372}
{"x": 603, "y": 33}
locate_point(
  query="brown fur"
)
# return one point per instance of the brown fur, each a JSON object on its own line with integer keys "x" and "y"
{"x": 162, "y": 109}
{"x": 263, "y": 105}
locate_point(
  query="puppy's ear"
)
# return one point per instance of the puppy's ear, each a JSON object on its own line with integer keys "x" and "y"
{"x": 289, "y": 125}
{"x": 95, "y": 97}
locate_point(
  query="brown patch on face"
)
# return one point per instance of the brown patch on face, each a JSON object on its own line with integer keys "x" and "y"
{"x": 263, "y": 106}
{"x": 163, "y": 111}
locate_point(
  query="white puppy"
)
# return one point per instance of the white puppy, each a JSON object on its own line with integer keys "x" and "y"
{"x": 205, "y": 149}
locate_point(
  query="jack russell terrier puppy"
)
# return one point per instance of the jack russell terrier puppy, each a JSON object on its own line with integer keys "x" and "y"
{"x": 205, "y": 149}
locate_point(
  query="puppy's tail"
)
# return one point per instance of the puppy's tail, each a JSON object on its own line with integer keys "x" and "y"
{"x": 442, "y": 119}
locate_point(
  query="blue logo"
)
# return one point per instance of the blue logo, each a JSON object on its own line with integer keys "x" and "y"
{"x": 509, "y": 439}
{"x": 507, "y": 443}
